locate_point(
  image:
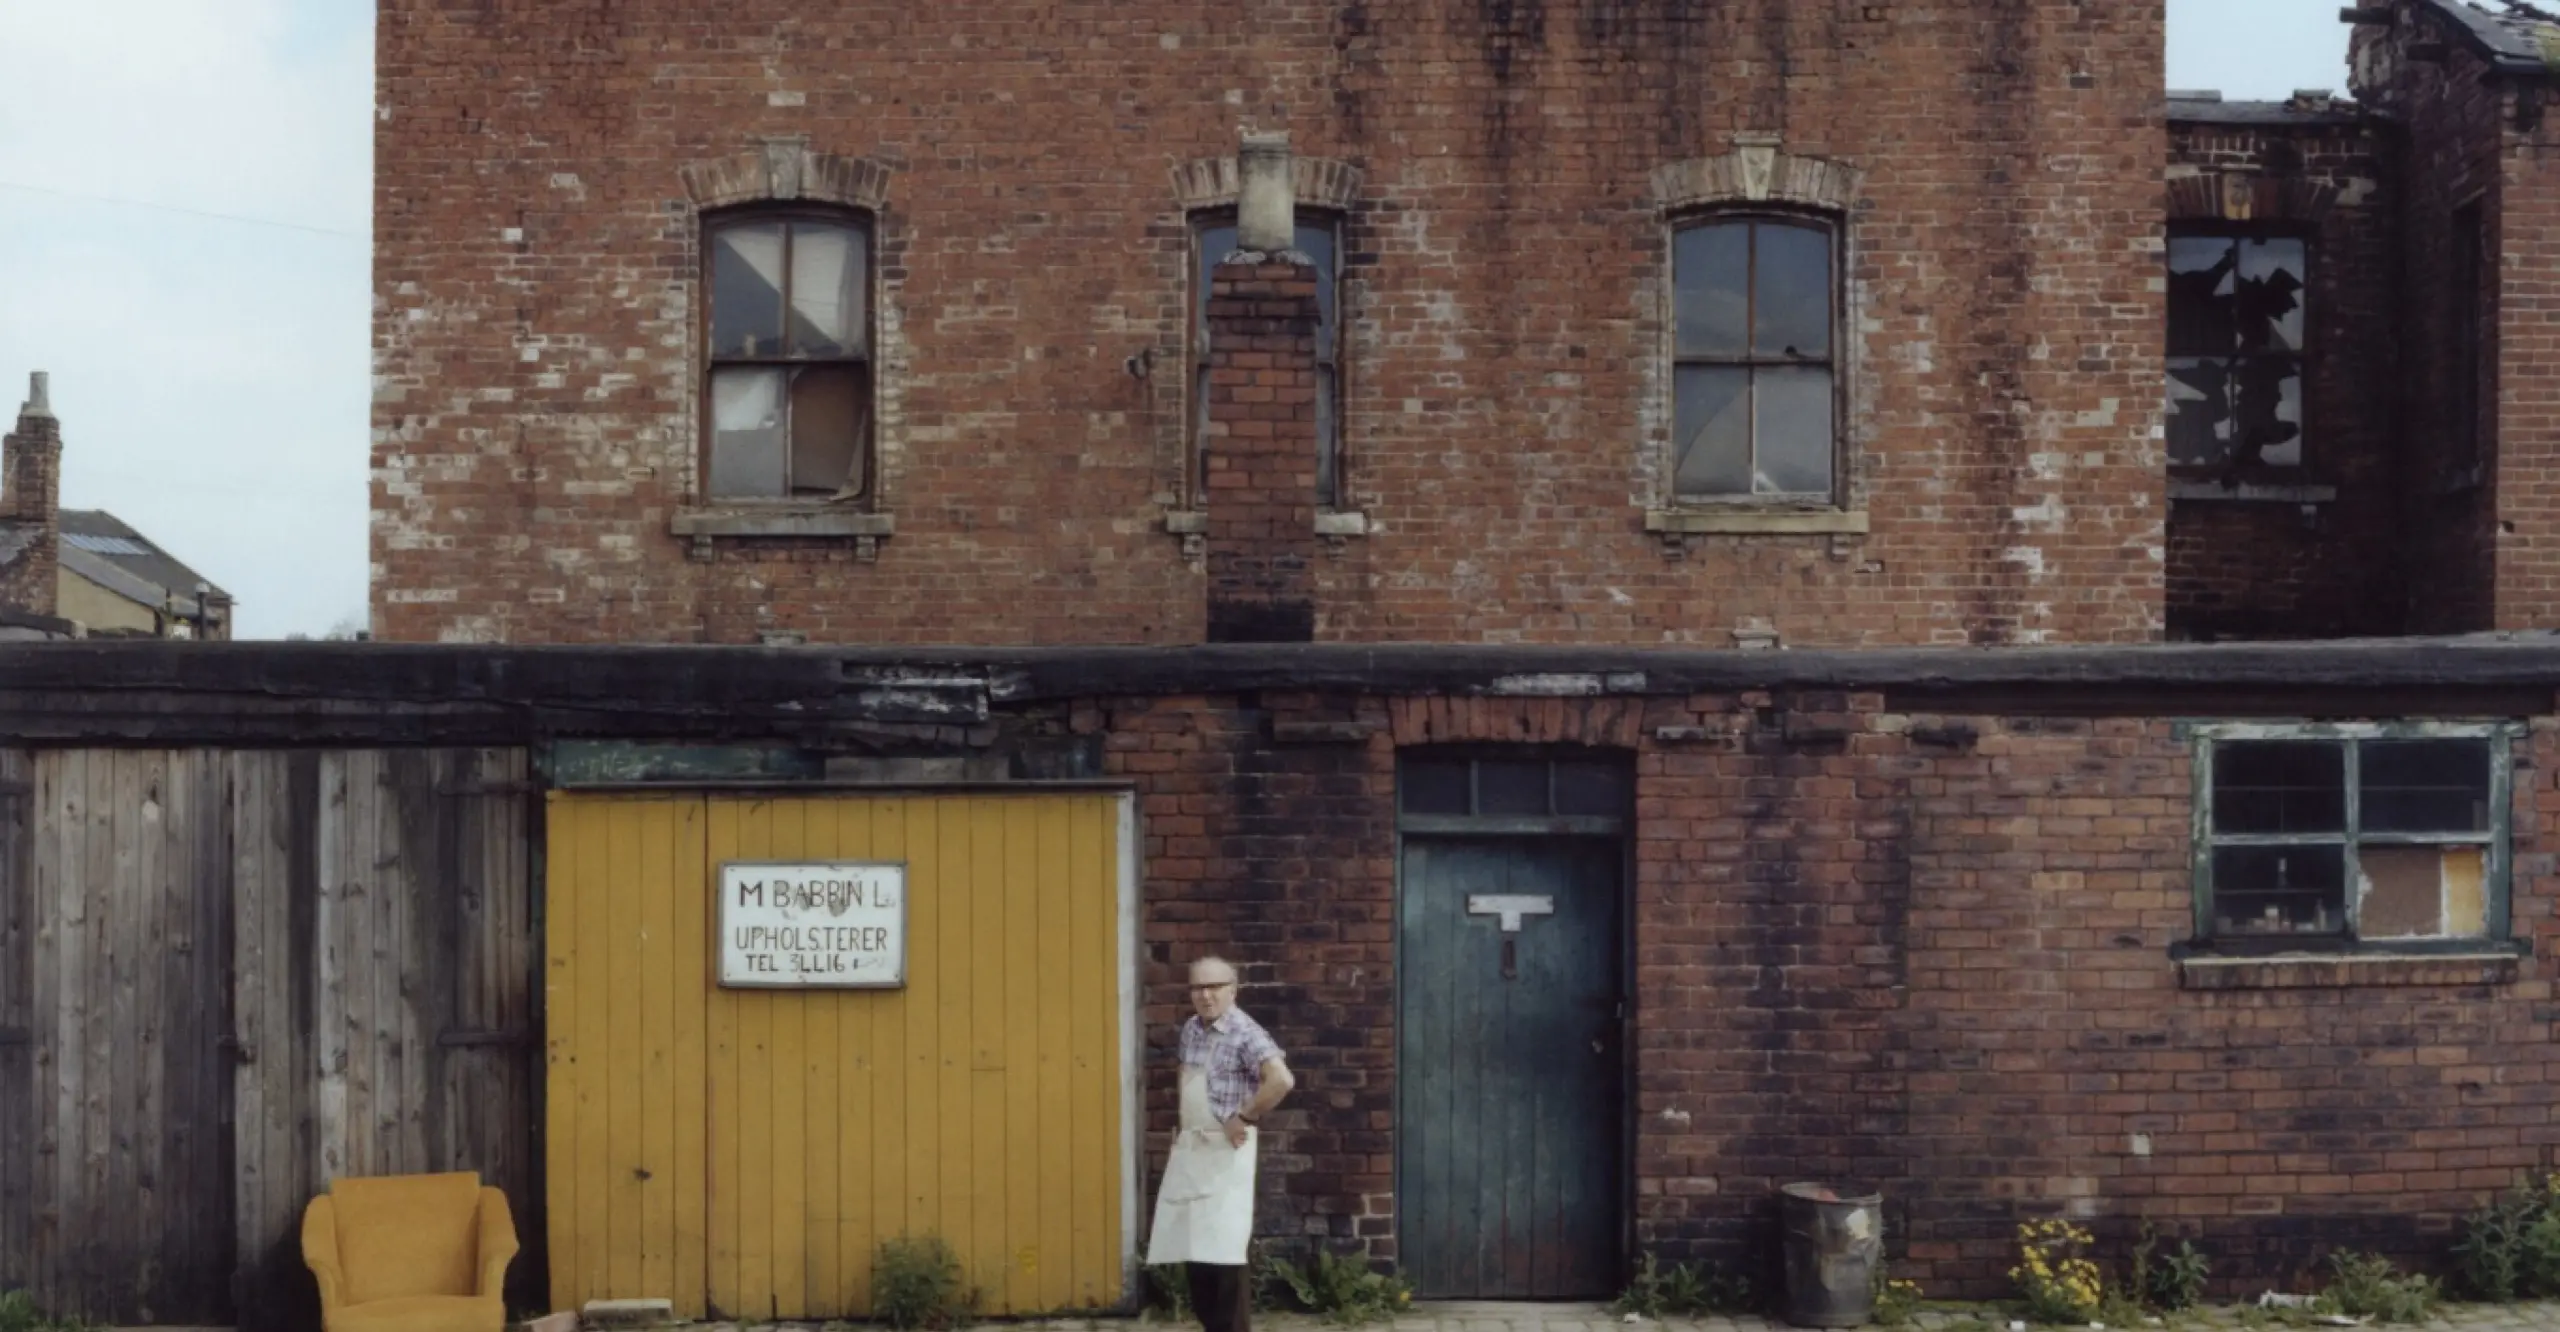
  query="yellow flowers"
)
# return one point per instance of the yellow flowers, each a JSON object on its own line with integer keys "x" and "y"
{"x": 2059, "y": 1282}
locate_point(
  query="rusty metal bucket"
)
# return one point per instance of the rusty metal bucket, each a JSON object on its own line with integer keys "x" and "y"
{"x": 1834, "y": 1246}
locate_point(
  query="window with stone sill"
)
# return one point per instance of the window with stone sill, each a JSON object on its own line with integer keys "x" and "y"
{"x": 2351, "y": 838}
{"x": 2237, "y": 342}
{"x": 1319, "y": 237}
{"x": 787, "y": 393}
{"x": 1755, "y": 306}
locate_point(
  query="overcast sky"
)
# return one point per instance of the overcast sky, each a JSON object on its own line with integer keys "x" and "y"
{"x": 209, "y": 350}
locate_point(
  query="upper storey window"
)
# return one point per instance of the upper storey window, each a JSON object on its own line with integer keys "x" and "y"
{"x": 789, "y": 386}
{"x": 1754, "y": 361}
{"x": 2236, "y": 338}
{"x": 1319, "y": 237}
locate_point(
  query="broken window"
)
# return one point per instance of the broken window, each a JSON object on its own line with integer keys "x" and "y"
{"x": 1752, "y": 385}
{"x": 1319, "y": 237}
{"x": 2235, "y": 350}
{"x": 2351, "y": 835}
{"x": 789, "y": 392}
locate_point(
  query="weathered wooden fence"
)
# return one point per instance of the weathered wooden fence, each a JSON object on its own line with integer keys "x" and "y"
{"x": 247, "y": 973}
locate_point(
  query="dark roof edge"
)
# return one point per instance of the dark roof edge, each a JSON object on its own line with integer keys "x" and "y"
{"x": 2491, "y": 42}
{"x": 2268, "y": 115}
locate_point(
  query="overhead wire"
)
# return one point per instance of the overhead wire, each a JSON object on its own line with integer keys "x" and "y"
{"x": 241, "y": 218}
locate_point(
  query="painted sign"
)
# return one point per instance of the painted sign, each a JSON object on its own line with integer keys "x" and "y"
{"x": 840, "y": 925}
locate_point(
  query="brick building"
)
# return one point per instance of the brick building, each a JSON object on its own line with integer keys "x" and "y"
{"x": 1590, "y": 342}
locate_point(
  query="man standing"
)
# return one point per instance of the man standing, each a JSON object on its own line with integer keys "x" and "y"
{"x": 1233, "y": 1073}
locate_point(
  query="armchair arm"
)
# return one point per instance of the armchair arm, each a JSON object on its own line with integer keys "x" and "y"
{"x": 320, "y": 1250}
{"x": 497, "y": 1242}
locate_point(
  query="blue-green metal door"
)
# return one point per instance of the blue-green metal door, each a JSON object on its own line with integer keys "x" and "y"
{"x": 1509, "y": 1066}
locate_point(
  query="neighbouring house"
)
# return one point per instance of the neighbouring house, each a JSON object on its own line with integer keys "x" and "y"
{"x": 1693, "y": 591}
{"x": 85, "y": 567}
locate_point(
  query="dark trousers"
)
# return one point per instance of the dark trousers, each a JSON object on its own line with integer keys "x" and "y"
{"x": 1221, "y": 1298}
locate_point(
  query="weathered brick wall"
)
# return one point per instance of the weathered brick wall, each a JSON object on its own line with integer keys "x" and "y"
{"x": 2266, "y": 554}
{"x": 2455, "y": 150}
{"x": 1929, "y": 953}
{"x": 1260, "y": 454}
{"x": 31, "y": 474}
{"x": 1505, "y": 405}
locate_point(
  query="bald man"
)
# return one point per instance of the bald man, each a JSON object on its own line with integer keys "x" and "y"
{"x": 1233, "y": 1074}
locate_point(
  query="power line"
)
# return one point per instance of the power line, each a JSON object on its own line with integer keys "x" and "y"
{"x": 189, "y": 212}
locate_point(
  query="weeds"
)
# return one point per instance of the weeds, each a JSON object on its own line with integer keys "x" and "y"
{"x": 2510, "y": 1249}
{"x": 2167, "y": 1281}
{"x": 1343, "y": 1290}
{"x": 1169, "y": 1292}
{"x": 918, "y": 1283}
{"x": 1895, "y": 1299}
{"x": 2366, "y": 1285}
{"x": 1683, "y": 1289}
{"x": 18, "y": 1313}
{"x": 2054, "y": 1274}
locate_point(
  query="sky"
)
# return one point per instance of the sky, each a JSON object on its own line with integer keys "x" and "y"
{"x": 185, "y": 196}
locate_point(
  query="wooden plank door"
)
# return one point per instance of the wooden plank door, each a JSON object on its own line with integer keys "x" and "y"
{"x": 1510, "y": 1068}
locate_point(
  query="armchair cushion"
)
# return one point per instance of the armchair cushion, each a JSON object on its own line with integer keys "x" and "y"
{"x": 404, "y": 1236}
{"x": 422, "y": 1313}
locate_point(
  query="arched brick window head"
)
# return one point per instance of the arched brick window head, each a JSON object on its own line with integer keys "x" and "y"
{"x": 788, "y": 384}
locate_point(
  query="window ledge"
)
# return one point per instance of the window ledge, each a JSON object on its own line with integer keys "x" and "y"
{"x": 865, "y": 529}
{"x": 2252, "y": 492}
{"x": 2311, "y": 971}
{"x": 1341, "y": 523}
{"x": 1747, "y": 522}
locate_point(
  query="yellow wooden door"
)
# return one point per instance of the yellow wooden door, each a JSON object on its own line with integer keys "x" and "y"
{"x": 743, "y": 1152}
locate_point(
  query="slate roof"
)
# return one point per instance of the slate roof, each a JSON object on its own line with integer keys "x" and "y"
{"x": 100, "y": 547}
{"x": 2189, "y": 108}
{"x": 2512, "y": 39}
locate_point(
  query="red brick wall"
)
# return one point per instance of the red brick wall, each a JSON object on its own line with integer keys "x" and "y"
{"x": 1505, "y": 406}
{"x": 1928, "y": 953}
{"x": 31, "y": 474}
{"x": 2272, "y": 567}
{"x": 2462, "y": 571}
{"x": 1260, "y": 483}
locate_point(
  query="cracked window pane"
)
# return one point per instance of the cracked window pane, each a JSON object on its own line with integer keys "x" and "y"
{"x": 1791, "y": 302}
{"x": 1711, "y": 445}
{"x": 746, "y": 291}
{"x": 1793, "y": 426}
{"x": 2236, "y": 334}
{"x": 2201, "y": 284}
{"x": 830, "y": 426}
{"x": 2267, "y": 302}
{"x": 2199, "y": 410}
{"x": 2267, "y": 402}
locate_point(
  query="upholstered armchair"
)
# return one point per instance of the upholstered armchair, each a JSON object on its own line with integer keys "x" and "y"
{"x": 410, "y": 1253}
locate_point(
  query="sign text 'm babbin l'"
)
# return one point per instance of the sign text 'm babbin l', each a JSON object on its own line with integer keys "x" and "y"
{"x": 841, "y": 925}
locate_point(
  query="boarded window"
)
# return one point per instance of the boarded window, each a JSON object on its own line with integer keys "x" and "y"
{"x": 1319, "y": 237}
{"x": 789, "y": 391}
{"x": 1752, "y": 375}
{"x": 2380, "y": 837}
{"x": 2236, "y": 336}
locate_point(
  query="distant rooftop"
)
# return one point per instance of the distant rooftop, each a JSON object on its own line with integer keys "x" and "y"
{"x": 2513, "y": 35}
{"x": 2308, "y": 106}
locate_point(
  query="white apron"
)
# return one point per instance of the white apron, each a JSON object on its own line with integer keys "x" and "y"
{"x": 1204, "y": 1207}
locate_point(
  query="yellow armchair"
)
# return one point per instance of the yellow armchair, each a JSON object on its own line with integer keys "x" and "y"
{"x": 410, "y": 1253}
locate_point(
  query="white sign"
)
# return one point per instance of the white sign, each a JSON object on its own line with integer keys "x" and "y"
{"x": 827, "y": 926}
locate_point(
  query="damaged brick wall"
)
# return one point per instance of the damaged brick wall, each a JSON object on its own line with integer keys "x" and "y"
{"x": 1259, "y": 463}
{"x": 1505, "y": 405}
{"x": 2311, "y": 550}
{"x": 1930, "y": 953}
{"x": 31, "y": 508}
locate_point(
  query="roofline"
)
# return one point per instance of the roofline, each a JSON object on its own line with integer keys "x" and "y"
{"x": 2481, "y": 33}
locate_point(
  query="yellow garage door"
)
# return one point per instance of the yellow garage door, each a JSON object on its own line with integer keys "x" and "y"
{"x": 743, "y": 1151}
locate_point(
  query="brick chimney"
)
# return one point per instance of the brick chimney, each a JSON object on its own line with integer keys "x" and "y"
{"x": 31, "y": 498}
{"x": 1262, "y": 437}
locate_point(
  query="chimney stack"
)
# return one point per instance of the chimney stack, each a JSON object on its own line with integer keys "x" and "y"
{"x": 31, "y": 502}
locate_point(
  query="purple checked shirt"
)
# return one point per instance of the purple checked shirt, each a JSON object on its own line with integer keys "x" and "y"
{"x": 1230, "y": 1055}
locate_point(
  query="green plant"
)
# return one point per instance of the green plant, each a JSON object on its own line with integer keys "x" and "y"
{"x": 1343, "y": 1290}
{"x": 1169, "y": 1292}
{"x": 18, "y": 1313}
{"x": 2167, "y": 1281}
{"x": 2510, "y": 1249}
{"x": 2055, "y": 1275}
{"x": 1682, "y": 1289}
{"x": 917, "y": 1282}
{"x": 2366, "y": 1285}
{"x": 1895, "y": 1299}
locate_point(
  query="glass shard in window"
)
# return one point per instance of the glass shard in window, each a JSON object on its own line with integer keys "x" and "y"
{"x": 830, "y": 422}
{"x": 2278, "y": 890}
{"x": 1794, "y": 430}
{"x": 746, "y": 290}
{"x": 1711, "y": 428}
{"x": 1791, "y": 299}
{"x": 2267, "y": 300}
{"x": 2424, "y": 786}
{"x": 2199, "y": 410}
{"x": 2279, "y": 786}
{"x": 1435, "y": 786}
{"x": 2201, "y": 283}
{"x": 828, "y": 317}
{"x": 747, "y": 454}
{"x": 2267, "y": 405}
{"x": 1711, "y": 289}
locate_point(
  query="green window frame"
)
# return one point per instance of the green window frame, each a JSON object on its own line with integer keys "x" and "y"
{"x": 2381, "y": 837}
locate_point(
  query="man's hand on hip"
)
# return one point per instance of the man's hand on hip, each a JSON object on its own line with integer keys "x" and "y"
{"x": 1237, "y": 1130}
